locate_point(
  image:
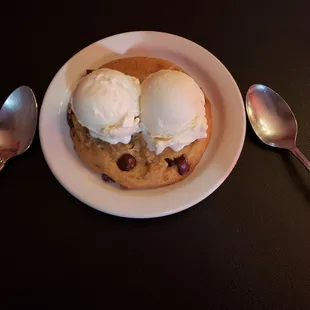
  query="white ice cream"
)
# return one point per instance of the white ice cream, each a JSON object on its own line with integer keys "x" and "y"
{"x": 172, "y": 111}
{"x": 107, "y": 103}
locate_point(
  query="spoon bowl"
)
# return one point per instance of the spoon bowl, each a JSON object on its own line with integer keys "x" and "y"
{"x": 270, "y": 116}
{"x": 18, "y": 121}
{"x": 273, "y": 120}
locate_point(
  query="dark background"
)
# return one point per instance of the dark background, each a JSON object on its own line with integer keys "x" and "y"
{"x": 247, "y": 246}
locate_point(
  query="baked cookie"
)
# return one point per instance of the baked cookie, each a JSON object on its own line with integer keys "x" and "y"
{"x": 133, "y": 165}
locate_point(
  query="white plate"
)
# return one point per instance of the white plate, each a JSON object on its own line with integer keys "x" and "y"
{"x": 227, "y": 138}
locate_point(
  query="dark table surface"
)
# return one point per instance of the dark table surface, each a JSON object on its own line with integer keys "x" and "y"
{"x": 247, "y": 246}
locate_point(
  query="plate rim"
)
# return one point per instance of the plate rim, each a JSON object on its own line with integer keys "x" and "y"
{"x": 193, "y": 201}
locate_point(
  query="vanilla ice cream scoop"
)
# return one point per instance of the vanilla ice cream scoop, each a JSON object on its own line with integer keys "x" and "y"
{"x": 106, "y": 102}
{"x": 172, "y": 111}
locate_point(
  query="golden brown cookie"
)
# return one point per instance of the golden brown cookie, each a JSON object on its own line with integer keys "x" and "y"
{"x": 133, "y": 165}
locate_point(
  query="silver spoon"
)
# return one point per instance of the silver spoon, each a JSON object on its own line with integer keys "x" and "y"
{"x": 272, "y": 120}
{"x": 18, "y": 121}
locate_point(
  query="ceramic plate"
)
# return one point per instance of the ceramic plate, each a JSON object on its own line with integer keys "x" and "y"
{"x": 227, "y": 138}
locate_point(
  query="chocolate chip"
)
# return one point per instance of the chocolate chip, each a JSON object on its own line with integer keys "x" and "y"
{"x": 183, "y": 168}
{"x": 107, "y": 179}
{"x": 170, "y": 162}
{"x": 126, "y": 162}
{"x": 88, "y": 71}
{"x": 182, "y": 164}
{"x": 69, "y": 117}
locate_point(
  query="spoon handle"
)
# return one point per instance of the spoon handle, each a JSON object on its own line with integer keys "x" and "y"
{"x": 302, "y": 158}
{"x": 2, "y": 163}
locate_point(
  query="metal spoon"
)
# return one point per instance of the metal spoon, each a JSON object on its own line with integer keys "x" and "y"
{"x": 18, "y": 121}
{"x": 272, "y": 120}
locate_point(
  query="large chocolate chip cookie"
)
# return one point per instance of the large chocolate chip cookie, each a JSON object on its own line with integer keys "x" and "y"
{"x": 133, "y": 165}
